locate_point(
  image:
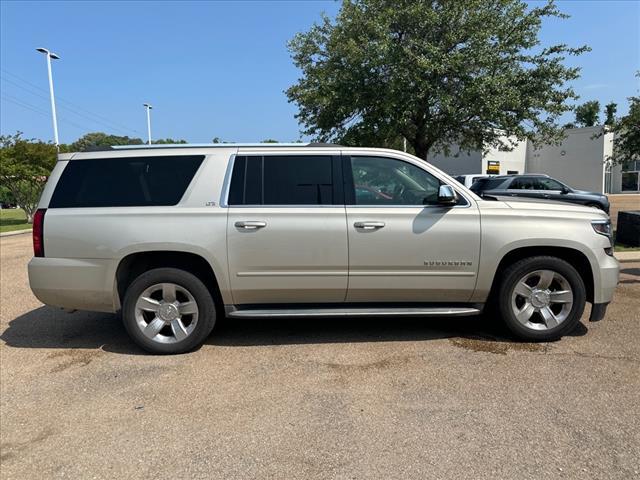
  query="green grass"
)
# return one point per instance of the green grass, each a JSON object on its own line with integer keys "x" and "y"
{"x": 13, "y": 219}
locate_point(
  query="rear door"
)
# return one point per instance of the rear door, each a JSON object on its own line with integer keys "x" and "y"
{"x": 286, "y": 229}
{"x": 403, "y": 247}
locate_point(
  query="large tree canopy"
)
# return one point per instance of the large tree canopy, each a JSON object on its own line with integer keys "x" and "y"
{"x": 436, "y": 72}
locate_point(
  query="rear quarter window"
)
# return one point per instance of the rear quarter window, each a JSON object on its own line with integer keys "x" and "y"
{"x": 125, "y": 181}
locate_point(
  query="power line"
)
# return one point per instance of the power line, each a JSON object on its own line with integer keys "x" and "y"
{"x": 35, "y": 109}
{"x": 103, "y": 124}
{"x": 73, "y": 106}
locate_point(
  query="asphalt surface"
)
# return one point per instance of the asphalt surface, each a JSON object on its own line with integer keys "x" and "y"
{"x": 342, "y": 398}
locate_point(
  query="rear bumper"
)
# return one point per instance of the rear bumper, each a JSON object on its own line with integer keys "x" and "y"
{"x": 82, "y": 284}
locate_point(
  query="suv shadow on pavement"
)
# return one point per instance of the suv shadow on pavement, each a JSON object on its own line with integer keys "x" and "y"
{"x": 48, "y": 327}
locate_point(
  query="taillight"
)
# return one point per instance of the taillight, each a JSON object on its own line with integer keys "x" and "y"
{"x": 38, "y": 232}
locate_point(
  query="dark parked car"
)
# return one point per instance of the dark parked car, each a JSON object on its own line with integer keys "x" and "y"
{"x": 538, "y": 186}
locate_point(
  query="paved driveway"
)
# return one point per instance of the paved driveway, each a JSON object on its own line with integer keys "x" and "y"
{"x": 338, "y": 398}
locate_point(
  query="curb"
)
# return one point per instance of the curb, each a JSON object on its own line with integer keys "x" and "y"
{"x": 16, "y": 232}
{"x": 627, "y": 257}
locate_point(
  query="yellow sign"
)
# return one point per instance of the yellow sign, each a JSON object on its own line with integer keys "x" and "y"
{"x": 493, "y": 166}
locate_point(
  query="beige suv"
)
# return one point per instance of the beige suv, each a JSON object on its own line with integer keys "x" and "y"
{"x": 174, "y": 237}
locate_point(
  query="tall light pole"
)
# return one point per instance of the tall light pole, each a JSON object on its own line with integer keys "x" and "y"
{"x": 148, "y": 107}
{"x": 51, "y": 55}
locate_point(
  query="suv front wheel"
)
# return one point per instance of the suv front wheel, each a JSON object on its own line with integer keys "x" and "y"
{"x": 541, "y": 298}
{"x": 167, "y": 310}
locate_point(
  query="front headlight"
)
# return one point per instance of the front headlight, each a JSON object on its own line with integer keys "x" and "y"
{"x": 603, "y": 227}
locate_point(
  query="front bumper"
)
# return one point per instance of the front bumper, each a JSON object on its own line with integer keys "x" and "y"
{"x": 606, "y": 277}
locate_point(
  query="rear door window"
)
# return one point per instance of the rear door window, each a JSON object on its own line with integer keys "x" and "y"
{"x": 286, "y": 180}
{"x": 125, "y": 181}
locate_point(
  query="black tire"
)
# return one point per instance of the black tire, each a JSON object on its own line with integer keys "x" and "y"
{"x": 191, "y": 283}
{"x": 513, "y": 274}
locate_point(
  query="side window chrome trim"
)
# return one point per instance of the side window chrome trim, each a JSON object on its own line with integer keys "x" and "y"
{"x": 224, "y": 196}
{"x": 288, "y": 206}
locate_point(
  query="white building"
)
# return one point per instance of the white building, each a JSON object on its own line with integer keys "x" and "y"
{"x": 580, "y": 161}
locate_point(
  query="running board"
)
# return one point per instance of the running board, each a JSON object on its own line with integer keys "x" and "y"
{"x": 233, "y": 312}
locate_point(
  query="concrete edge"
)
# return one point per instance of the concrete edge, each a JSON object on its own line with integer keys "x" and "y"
{"x": 627, "y": 257}
{"x": 15, "y": 232}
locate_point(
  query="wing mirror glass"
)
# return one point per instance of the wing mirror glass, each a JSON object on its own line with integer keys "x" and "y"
{"x": 447, "y": 195}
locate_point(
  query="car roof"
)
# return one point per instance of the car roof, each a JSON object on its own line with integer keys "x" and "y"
{"x": 208, "y": 148}
{"x": 500, "y": 177}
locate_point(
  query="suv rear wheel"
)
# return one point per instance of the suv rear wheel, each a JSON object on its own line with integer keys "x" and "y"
{"x": 541, "y": 298}
{"x": 167, "y": 310}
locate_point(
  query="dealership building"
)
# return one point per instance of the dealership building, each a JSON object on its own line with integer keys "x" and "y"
{"x": 580, "y": 161}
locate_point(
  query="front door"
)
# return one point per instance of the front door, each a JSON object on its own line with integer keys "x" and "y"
{"x": 403, "y": 246}
{"x": 286, "y": 230}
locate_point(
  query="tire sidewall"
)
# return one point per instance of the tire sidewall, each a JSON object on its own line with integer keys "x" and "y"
{"x": 188, "y": 281}
{"x": 520, "y": 269}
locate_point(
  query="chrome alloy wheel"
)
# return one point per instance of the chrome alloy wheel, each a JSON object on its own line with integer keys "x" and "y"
{"x": 166, "y": 313}
{"x": 542, "y": 300}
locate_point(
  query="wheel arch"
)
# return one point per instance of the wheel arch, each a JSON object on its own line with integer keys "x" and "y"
{"x": 134, "y": 264}
{"x": 576, "y": 258}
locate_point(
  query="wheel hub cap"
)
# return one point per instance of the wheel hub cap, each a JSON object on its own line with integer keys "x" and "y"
{"x": 168, "y": 312}
{"x": 540, "y": 298}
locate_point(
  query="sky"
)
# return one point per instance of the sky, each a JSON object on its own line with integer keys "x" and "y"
{"x": 219, "y": 69}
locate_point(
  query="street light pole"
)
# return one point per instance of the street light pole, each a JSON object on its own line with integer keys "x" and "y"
{"x": 51, "y": 55}
{"x": 148, "y": 107}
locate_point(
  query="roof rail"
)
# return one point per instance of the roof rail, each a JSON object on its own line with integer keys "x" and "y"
{"x": 216, "y": 145}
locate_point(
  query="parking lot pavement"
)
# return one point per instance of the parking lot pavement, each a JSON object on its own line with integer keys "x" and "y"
{"x": 342, "y": 398}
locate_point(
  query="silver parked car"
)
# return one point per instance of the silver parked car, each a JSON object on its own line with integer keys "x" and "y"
{"x": 174, "y": 237}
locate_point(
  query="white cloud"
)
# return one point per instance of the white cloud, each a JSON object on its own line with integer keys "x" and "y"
{"x": 595, "y": 86}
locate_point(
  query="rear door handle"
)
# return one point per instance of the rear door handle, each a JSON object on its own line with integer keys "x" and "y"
{"x": 250, "y": 225}
{"x": 369, "y": 225}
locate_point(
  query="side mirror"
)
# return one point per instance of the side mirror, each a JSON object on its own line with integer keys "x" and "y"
{"x": 447, "y": 195}
{"x": 565, "y": 190}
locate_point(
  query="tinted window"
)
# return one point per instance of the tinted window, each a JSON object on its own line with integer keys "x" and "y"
{"x": 246, "y": 181}
{"x": 548, "y": 184}
{"x": 535, "y": 183}
{"x": 125, "y": 182}
{"x": 524, "y": 183}
{"x": 483, "y": 184}
{"x": 282, "y": 180}
{"x": 386, "y": 181}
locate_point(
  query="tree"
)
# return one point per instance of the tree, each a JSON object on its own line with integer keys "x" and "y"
{"x": 24, "y": 168}
{"x": 165, "y": 141}
{"x": 610, "y": 110}
{"x": 626, "y": 143}
{"x": 587, "y": 114}
{"x": 434, "y": 71}
{"x": 269, "y": 140}
{"x": 96, "y": 140}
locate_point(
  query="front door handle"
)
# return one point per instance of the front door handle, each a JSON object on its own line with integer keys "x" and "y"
{"x": 369, "y": 225}
{"x": 250, "y": 225}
